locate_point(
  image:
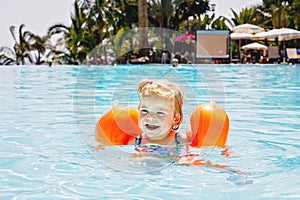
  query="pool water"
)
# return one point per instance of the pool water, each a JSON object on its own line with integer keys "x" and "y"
{"x": 48, "y": 117}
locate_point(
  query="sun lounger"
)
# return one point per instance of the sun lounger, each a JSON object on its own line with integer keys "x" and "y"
{"x": 292, "y": 55}
{"x": 273, "y": 54}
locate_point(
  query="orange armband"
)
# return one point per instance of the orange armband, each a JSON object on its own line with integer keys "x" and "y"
{"x": 118, "y": 126}
{"x": 209, "y": 126}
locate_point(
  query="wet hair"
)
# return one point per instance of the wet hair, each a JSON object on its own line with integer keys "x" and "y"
{"x": 166, "y": 89}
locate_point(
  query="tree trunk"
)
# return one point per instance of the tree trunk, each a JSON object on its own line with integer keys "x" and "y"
{"x": 143, "y": 27}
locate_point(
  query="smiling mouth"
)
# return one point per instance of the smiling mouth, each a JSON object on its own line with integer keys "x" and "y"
{"x": 151, "y": 127}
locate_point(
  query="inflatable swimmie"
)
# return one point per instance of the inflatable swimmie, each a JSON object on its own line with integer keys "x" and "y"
{"x": 208, "y": 126}
{"x": 118, "y": 126}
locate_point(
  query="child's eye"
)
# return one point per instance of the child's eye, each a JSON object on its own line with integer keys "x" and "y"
{"x": 144, "y": 111}
{"x": 161, "y": 113}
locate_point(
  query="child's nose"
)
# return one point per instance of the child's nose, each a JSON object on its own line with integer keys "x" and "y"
{"x": 150, "y": 117}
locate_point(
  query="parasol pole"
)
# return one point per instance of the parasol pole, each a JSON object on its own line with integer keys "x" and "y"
{"x": 240, "y": 48}
{"x": 284, "y": 54}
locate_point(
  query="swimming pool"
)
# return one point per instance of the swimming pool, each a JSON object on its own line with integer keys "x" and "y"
{"x": 48, "y": 116}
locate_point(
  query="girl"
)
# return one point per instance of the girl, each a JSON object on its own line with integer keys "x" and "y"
{"x": 159, "y": 112}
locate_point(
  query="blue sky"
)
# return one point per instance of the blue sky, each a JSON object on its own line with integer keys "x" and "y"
{"x": 38, "y": 15}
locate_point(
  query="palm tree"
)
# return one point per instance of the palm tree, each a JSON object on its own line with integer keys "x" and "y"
{"x": 192, "y": 9}
{"x": 6, "y": 56}
{"x": 126, "y": 14}
{"x": 220, "y": 23}
{"x": 77, "y": 38}
{"x": 20, "y": 54}
{"x": 246, "y": 15}
{"x": 278, "y": 13}
{"x": 200, "y": 24}
{"x": 98, "y": 20}
{"x": 39, "y": 45}
{"x": 109, "y": 19}
{"x": 296, "y": 5}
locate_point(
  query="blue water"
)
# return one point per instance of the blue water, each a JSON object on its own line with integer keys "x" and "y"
{"x": 48, "y": 117}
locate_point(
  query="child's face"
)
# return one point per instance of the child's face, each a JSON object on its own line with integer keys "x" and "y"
{"x": 156, "y": 116}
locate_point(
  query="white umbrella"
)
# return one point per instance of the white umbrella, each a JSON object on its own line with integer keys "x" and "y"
{"x": 261, "y": 36}
{"x": 283, "y": 34}
{"x": 238, "y": 36}
{"x": 255, "y": 46}
{"x": 247, "y": 28}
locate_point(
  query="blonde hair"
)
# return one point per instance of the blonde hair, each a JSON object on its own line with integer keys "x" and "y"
{"x": 166, "y": 89}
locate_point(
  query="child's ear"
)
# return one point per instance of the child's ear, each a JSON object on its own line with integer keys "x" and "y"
{"x": 176, "y": 121}
{"x": 176, "y": 118}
